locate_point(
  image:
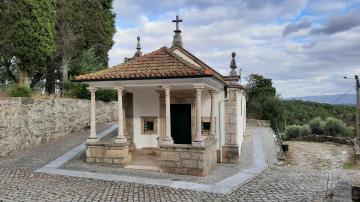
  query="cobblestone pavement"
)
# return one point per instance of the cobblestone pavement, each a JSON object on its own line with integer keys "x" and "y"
{"x": 18, "y": 182}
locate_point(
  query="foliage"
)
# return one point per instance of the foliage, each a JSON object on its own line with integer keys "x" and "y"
{"x": 20, "y": 91}
{"x": 330, "y": 127}
{"x": 78, "y": 90}
{"x": 300, "y": 112}
{"x": 262, "y": 100}
{"x": 93, "y": 24}
{"x": 317, "y": 126}
{"x": 30, "y": 35}
{"x": 292, "y": 131}
{"x": 88, "y": 62}
{"x": 334, "y": 127}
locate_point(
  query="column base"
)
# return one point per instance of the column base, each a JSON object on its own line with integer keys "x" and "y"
{"x": 198, "y": 143}
{"x": 92, "y": 140}
{"x": 120, "y": 140}
{"x": 168, "y": 142}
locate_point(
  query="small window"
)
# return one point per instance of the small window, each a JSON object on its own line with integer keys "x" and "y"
{"x": 206, "y": 126}
{"x": 149, "y": 125}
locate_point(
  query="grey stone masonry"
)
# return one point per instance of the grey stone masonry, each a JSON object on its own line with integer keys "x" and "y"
{"x": 108, "y": 153}
{"x": 230, "y": 152}
{"x": 188, "y": 159}
{"x": 26, "y": 122}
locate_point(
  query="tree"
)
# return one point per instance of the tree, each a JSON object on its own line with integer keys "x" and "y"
{"x": 88, "y": 62}
{"x": 9, "y": 71}
{"x": 262, "y": 100}
{"x": 30, "y": 36}
{"x": 65, "y": 37}
{"x": 94, "y": 26}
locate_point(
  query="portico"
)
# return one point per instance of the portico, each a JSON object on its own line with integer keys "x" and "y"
{"x": 171, "y": 104}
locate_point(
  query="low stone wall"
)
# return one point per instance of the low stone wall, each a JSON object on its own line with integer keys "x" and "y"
{"x": 26, "y": 122}
{"x": 108, "y": 153}
{"x": 257, "y": 123}
{"x": 188, "y": 159}
{"x": 322, "y": 138}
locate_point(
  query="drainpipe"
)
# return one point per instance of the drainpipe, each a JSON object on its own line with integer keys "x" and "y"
{"x": 222, "y": 127}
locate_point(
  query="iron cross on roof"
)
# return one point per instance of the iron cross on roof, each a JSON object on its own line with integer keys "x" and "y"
{"x": 177, "y": 22}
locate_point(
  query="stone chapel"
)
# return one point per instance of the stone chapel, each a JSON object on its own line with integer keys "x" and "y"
{"x": 172, "y": 105}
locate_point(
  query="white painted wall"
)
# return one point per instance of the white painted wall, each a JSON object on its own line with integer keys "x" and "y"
{"x": 206, "y": 110}
{"x": 240, "y": 117}
{"x": 146, "y": 103}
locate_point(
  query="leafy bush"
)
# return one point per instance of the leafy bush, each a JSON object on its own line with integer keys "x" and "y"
{"x": 317, "y": 126}
{"x": 78, "y": 90}
{"x": 20, "y": 91}
{"x": 304, "y": 130}
{"x": 292, "y": 131}
{"x": 334, "y": 127}
{"x": 349, "y": 132}
{"x": 75, "y": 90}
{"x": 295, "y": 131}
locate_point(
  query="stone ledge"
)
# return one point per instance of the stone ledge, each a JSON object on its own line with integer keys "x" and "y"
{"x": 208, "y": 143}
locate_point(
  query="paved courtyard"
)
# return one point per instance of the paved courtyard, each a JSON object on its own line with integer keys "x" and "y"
{"x": 295, "y": 180}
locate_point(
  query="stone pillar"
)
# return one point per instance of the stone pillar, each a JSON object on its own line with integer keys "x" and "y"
{"x": 92, "y": 137}
{"x": 230, "y": 151}
{"x": 199, "y": 140}
{"x": 212, "y": 115}
{"x": 167, "y": 139}
{"x": 120, "y": 137}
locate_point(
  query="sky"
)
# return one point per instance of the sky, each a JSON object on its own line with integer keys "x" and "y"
{"x": 305, "y": 46}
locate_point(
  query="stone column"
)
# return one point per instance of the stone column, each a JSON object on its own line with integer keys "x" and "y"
{"x": 212, "y": 115}
{"x": 120, "y": 137}
{"x": 167, "y": 139}
{"x": 199, "y": 140}
{"x": 92, "y": 137}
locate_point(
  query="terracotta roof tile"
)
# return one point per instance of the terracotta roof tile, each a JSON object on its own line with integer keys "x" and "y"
{"x": 157, "y": 64}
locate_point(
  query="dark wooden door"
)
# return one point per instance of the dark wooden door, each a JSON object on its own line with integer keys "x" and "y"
{"x": 181, "y": 123}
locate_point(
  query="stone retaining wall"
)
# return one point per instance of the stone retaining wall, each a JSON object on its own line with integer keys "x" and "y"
{"x": 26, "y": 122}
{"x": 322, "y": 138}
{"x": 188, "y": 159}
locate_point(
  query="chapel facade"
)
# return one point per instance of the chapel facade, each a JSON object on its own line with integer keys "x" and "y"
{"x": 172, "y": 105}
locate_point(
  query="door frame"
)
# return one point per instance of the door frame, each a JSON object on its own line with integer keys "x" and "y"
{"x": 188, "y": 120}
{"x": 177, "y": 97}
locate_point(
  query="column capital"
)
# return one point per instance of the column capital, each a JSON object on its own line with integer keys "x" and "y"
{"x": 166, "y": 87}
{"x": 119, "y": 88}
{"x": 198, "y": 87}
{"x": 91, "y": 89}
{"x": 212, "y": 91}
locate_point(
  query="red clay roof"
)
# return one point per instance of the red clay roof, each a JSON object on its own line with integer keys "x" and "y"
{"x": 161, "y": 63}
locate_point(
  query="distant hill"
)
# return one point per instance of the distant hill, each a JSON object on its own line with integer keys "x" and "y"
{"x": 349, "y": 99}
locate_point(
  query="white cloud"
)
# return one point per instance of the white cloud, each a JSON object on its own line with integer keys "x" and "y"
{"x": 299, "y": 64}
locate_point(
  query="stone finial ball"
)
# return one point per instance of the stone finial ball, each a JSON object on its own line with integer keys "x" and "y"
{"x": 233, "y": 54}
